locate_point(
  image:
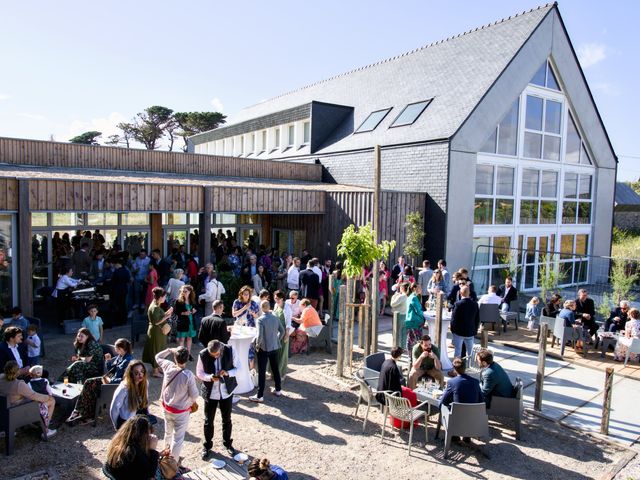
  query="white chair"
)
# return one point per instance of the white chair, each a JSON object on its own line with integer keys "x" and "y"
{"x": 367, "y": 395}
{"x": 464, "y": 420}
{"x": 633, "y": 346}
{"x": 400, "y": 408}
{"x": 509, "y": 407}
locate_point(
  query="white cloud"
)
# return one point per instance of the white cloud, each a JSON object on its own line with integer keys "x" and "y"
{"x": 4, "y": 96}
{"x": 606, "y": 88}
{"x": 32, "y": 116}
{"x": 105, "y": 125}
{"x": 217, "y": 105}
{"x": 591, "y": 53}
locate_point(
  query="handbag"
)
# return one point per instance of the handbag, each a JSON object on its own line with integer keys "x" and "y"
{"x": 194, "y": 407}
{"x": 166, "y": 329}
{"x": 168, "y": 466}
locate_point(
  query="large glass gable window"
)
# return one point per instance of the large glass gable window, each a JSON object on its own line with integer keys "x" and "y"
{"x": 410, "y": 113}
{"x": 576, "y": 151}
{"x": 542, "y": 124}
{"x": 373, "y": 120}
{"x": 545, "y": 77}
{"x": 504, "y": 139}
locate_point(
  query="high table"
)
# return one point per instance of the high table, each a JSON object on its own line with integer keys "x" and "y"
{"x": 241, "y": 338}
{"x": 430, "y": 317}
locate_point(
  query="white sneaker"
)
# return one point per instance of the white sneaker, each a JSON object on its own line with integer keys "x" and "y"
{"x": 50, "y": 433}
{"x": 277, "y": 393}
{"x": 256, "y": 399}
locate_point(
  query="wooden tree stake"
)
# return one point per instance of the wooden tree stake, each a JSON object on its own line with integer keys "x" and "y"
{"x": 342, "y": 301}
{"x": 606, "y": 401}
{"x": 542, "y": 355}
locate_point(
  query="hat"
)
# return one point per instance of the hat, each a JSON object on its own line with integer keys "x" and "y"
{"x": 36, "y": 370}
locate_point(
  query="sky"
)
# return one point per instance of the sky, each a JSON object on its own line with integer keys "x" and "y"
{"x": 74, "y": 66}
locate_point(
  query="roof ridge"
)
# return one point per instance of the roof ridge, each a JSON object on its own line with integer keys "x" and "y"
{"x": 415, "y": 50}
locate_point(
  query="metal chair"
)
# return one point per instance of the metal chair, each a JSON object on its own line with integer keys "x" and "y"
{"x": 509, "y": 407}
{"x": 490, "y": 313}
{"x": 549, "y": 321}
{"x": 464, "y": 420}
{"x": 110, "y": 349}
{"x": 12, "y": 418}
{"x": 512, "y": 314}
{"x": 324, "y": 338}
{"x": 103, "y": 402}
{"x": 400, "y": 408}
{"x": 372, "y": 365}
{"x": 367, "y": 395}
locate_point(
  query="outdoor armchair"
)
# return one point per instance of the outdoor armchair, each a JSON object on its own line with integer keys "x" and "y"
{"x": 464, "y": 420}
{"x": 490, "y": 313}
{"x": 366, "y": 395}
{"x": 12, "y": 418}
{"x": 509, "y": 407}
{"x": 400, "y": 408}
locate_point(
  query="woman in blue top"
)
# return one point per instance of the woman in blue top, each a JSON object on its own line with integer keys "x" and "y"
{"x": 415, "y": 318}
{"x": 567, "y": 314}
{"x": 261, "y": 469}
{"x": 86, "y": 405}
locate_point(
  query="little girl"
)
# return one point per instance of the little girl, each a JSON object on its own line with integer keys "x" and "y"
{"x": 534, "y": 310}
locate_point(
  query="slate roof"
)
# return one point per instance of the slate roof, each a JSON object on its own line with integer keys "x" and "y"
{"x": 625, "y": 195}
{"x": 455, "y": 72}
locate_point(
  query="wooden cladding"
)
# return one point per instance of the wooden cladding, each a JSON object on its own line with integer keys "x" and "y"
{"x": 82, "y": 196}
{"x": 263, "y": 200}
{"x": 8, "y": 194}
{"x": 68, "y": 155}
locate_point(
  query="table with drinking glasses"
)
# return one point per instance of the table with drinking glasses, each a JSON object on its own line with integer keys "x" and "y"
{"x": 605, "y": 340}
{"x": 430, "y": 317}
{"x": 241, "y": 338}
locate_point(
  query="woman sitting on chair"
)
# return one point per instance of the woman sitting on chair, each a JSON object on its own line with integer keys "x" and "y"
{"x": 309, "y": 322}
{"x": 631, "y": 331}
{"x": 88, "y": 360}
{"x": 131, "y": 397}
{"x": 86, "y": 405}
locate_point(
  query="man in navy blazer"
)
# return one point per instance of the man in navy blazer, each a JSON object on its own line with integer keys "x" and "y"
{"x": 508, "y": 293}
{"x": 13, "y": 343}
{"x": 465, "y": 320}
{"x": 461, "y": 389}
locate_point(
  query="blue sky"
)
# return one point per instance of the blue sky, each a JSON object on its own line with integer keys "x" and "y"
{"x": 72, "y": 66}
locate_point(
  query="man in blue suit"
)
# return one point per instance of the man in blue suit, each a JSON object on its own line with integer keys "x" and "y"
{"x": 461, "y": 389}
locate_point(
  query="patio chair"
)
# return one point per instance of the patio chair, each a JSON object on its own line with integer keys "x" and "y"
{"x": 12, "y": 418}
{"x": 464, "y": 420}
{"x": 549, "y": 321}
{"x": 110, "y": 349}
{"x": 563, "y": 335}
{"x": 509, "y": 407}
{"x": 103, "y": 402}
{"x": 490, "y": 313}
{"x": 473, "y": 367}
{"x": 372, "y": 365}
{"x": 400, "y": 408}
{"x": 512, "y": 314}
{"x": 367, "y": 395}
{"x": 323, "y": 339}
{"x": 633, "y": 347}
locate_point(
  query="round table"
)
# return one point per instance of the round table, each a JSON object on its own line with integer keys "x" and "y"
{"x": 430, "y": 317}
{"x": 241, "y": 338}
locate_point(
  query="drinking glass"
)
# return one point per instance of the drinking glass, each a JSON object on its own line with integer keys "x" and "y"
{"x": 65, "y": 380}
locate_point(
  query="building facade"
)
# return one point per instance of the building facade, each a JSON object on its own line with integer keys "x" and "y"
{"x": 496, "y": 126}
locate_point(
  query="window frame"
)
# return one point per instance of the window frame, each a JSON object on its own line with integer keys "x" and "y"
{"x": 426, "y": 104}
{"x": 386, "y": 110}
{"x": 494, "y": 197}
{"x": 543, "y": 133}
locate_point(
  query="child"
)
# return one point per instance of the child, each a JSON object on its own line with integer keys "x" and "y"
{"x": 41, "y": 385}
{"x": 93, "y": 323}
{"x": 534, "y": 310}
{"x": 33, "y": 345}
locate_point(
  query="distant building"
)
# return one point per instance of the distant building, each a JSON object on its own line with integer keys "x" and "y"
{"x": 626, "y": 212}
{"x": 497, "y": 126}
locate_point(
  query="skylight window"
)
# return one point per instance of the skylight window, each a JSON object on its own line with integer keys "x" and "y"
{"x": 410, "y": 113}
{"x": 372, "y": 121}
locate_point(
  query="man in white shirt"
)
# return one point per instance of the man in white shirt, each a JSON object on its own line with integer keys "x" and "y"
{"x": 12, "y": 349}
{"x": 213, "y": 292}
{"x": 217, "y": 367}
{"x": 293, "y": 275}
{"x": 490, "y": 297}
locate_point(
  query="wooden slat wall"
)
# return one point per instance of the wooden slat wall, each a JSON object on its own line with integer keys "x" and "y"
{"x": 52, "y": 154}
{"x": 8, "y": 194}
{"x": 263, "y": 200}
{"x": 344, "y": 208}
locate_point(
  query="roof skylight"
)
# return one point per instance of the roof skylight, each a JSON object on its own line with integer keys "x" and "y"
{"x": 410, "y": 113}
{"x": 373, "y": 120}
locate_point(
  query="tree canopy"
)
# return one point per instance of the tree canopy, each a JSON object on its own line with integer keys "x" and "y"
{"x": 87, "y": 138}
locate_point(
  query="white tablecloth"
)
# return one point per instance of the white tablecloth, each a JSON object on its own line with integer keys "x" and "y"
{"x": 241, "y": 340}
{"x": 430, "y": 317}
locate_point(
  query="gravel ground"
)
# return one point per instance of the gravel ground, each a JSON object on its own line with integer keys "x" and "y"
{"x": 311, "y": 433}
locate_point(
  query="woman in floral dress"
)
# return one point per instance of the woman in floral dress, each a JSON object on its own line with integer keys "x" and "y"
{"x": 87, "y": 362}
{"x": 631, "y": 331}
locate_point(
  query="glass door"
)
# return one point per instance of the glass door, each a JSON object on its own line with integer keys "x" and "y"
{"x": 250, "y": 237}
{"x": 282, "y": 240}
{"x": 538, "y": 252}
{"x": 174, "y": 239}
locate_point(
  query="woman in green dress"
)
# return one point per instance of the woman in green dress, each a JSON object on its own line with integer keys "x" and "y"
{"x": 157, "y": 340}
{"x": 184, "y": 308}
{"x": 88, "y": 361}
{"x": 283, "y": 311}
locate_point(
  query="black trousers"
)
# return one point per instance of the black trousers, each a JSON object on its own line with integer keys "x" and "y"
{"x": 210, "y": 407}
{"x": 272, "y": 358}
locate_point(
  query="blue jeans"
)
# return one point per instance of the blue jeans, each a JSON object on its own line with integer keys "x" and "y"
{"x": 457, "y": 344}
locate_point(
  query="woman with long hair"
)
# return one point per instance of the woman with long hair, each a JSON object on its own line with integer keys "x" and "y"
{"x": 415, "y": 319}
{"x": 435, "y": 284}
{"x": 131, "y": 397}
{"x": 132, "y": 451}
{"x": 245, "y": 311}
{"x": 87, "y": 362}
{"x": 185, "y": 310}
{"x": 259, "y": 280}
{"x": 283, "y": 311}
{"x": 261, "y": 469}
{"x": 157, "y": 340}
{"x": 116, "y": 367}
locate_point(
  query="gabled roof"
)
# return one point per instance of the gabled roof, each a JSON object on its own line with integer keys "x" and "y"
{"x": 625, "y": 195}
{"x": 455, "y": 73}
